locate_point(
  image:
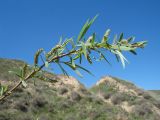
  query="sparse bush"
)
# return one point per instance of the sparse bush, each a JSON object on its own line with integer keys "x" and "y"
{"x": 118, "y": 98}
{"x": 24, "y": 117}
{"x": 138, "y": 101}
{"x": 39, "y": 102}
{"x": 13, "y": 114}
{"x": 98, "y": 100}
{"x": 147, "y": 95}
{"x": 5, "y": 105}
{"x": 157, "y": 104}
{"x": 70, "y": 117}
{"x": 63, "y": 90}
{"x": 5, "y": 116}
{"x": 88, "y": 98}
{"x": 21, "y": 106}
{"x": 43, "y": 117}
{"x": 140, "y": 92}
{"x": 84, "y": 91}
{"x": 64, "y": 104}
{"x": 94, "y": 114}
{"x": 107, "y": 94}
{"x": 142, "y": 109}
{"x": 75, "y": 96}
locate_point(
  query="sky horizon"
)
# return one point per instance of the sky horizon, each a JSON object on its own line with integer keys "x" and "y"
{"x": 26, "y": 26}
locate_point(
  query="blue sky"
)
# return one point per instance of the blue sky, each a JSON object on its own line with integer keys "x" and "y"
{"x": 26, "y": 25}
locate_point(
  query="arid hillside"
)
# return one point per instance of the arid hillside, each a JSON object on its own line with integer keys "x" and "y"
{"x": 64, "y": 98}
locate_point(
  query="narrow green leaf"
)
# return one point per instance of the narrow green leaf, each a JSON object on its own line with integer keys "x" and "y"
{"x": 115, "y": 39}
{"x": 60, "y": 41}
{"x": 63, "y": 70}
{"x": 105, "y": 58}
{"x": 93, "y": 38}
{"x": 133, "y": 52}
{"x": 121, "y": 37}
{"x": 80, "y": 67}
{"x": 105, "y": 37}
{"x": 130, "y": 39}
{"x": 52, "y": 52}
{"x": 126, "y": 48}
{"x": 73, "y": 64}
{"x": 122, "y": 58}
{"x": 37, "y": 55}
{"x": 76, "y": 57}
{"x": 84, "y": 49}
{"x": 3, "y": 89}
{"x": 92, "y": 20}
{"x": 77, "y": 66}
{"x": 140, "y": 44}
{"x": 66, "y": 42}
{"x": 123, "y": 47}
{"x": 16, "y": 72}
{"x": 85, "y": 28}
{"x": 73, "y": 68}
{"x": 89, "y": 59}
{"x": 73, "y": 44}
{"x": 24, "y": 70}
{"x": 83, "y": 31}
{"x": 80, "y": 58}
{"x": 69, "y": 65}
{"x": 117, "y": 57}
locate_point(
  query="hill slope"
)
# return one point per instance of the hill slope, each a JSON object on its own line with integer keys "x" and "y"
{"x": 155, "y": 94}
{"x": 64, "y": 98}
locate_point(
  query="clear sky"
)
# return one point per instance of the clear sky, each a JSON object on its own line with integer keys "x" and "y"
{"x": 26, "y": 25}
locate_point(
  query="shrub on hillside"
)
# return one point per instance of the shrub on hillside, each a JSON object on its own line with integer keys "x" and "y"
{"x": 22, "y": 106}
{"x": 75, "y": 96}
{"x": 142, "y": 109}
{"x": 118, "y": 98}
{"x": 147, "y": 95}
{"x": 39, "y": 102}
{"x": 107, "y": 94}
{"x": 140, "y": 92}
{"x": 63, "y": 90}
{"x": 157, "y": 104}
